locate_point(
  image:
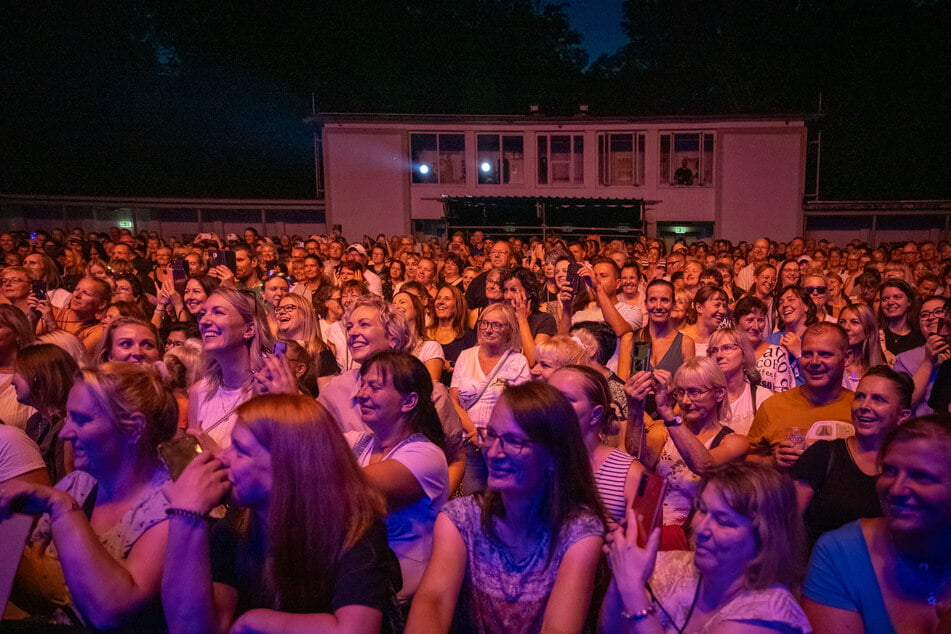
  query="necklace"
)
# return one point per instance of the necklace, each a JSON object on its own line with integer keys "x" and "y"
{"x": 924, "y": 580}
{"x": 693, "y": 604}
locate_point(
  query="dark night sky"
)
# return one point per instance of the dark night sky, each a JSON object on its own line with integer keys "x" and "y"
{"x": 599, "y": 22}
{"x": 209, "y": 100}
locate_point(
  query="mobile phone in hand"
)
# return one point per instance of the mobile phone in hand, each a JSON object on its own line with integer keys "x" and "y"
{"x": 178, "y": 453}
{"x": 39, "y": 289}
{"x": 648, "y": 505}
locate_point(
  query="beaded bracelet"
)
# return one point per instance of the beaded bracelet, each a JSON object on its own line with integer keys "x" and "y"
{"x": 638, "y": 616}
{"x": 185, "y": 513}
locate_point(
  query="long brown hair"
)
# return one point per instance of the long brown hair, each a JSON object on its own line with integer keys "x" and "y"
{"x": 321, "y": 504}
{"x": 547, "y": 418}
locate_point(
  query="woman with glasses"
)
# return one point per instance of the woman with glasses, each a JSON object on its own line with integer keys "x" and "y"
{"x": 522, "y": 556}
{"x": 866, "y": 351}
{"x": 480, "y": 375}
{"x": 296, "y": 321}
{"x": 493, "y": 294}
{"x": 734, "y": 355}
{"x": 16, "y": 287}
{"x": 817, "y": 288}
{"x": 922, "y": 363}
{"x": 694, "y": 406}
{"x": 789, "y": 274}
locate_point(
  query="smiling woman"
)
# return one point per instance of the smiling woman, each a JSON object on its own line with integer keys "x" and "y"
{"x": 234, "y": 337}
{"x": 747, "y": 536}
{"x": 892, "y": 574}
{"x": 522, "y": 556}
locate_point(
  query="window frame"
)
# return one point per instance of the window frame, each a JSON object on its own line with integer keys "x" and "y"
{"x": 575, "y": 162}
{"x": 500, "y": 157}
{"x": 436, "y": 166}
{"x": 706, "y": 160}
{"x": 638, "y": 152}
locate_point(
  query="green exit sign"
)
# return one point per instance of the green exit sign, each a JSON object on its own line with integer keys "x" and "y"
{"x": 679, "y": 230}
{"x": 125, "y": 224}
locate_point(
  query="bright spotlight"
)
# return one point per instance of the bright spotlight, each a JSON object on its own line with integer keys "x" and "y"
{"x": 424, "y": 169}
{"x": 486, "y": 166}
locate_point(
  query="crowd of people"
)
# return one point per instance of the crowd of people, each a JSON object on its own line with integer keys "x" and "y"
{"x": 300, "y": 434}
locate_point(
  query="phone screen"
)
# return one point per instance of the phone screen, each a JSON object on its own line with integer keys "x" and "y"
{"x": 641, "y": 355}
{"x": 178, "y": 453}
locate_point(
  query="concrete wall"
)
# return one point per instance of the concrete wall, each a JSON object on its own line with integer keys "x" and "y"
{"x": 367, "y": 181}
{"x": 761, "y": 184}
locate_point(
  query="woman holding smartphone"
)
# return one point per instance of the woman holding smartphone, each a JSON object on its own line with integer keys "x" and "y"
{"x": 287, "y": 557}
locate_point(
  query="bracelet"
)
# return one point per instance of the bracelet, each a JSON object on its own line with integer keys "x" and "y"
{"x": 186, "y": 513}
{"x": 638, "y": 616}
{"x": 72, "y": 507}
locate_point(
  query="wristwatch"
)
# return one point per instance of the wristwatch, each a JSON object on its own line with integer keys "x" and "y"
{"x": 676, "y": 421}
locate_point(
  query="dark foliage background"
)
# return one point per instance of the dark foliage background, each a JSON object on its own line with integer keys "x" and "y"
{"x": 171, "y": 97}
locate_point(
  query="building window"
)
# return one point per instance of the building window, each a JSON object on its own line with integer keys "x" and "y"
{"x": 438, "y": 158}
{"x": 686, "y": 158}
{"x": 560, "y": 159}
{"x": 621, "y": 158}
{"x": 501, "y": 159}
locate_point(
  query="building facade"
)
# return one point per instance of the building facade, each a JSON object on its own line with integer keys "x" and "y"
{"x": 737, "y": 177}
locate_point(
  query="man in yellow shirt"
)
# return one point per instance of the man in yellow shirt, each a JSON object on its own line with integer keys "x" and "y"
{"x": 825, "y": 351}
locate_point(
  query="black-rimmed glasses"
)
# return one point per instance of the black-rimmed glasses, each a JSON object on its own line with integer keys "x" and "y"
{"x": 508, "y": 443}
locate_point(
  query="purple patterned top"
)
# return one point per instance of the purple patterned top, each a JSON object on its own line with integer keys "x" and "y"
{"x": 501, "y": 594}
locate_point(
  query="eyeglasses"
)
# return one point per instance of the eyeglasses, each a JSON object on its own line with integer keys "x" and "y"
{"x": 493, "y": 326}
{"x": 928, "y": 314}
{"x": 815, "y": 289}
{"x": 285, "y": 308}
{"x": 727, "y": 347}
{"x": 508, "y": 443}
{"x": 11, "y": 280}
{"x": 692, "y": 392}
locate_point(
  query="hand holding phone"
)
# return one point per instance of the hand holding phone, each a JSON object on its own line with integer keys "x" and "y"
{"x": 39, "y": 289}
{"x": 648, "y": 505}
{"x": 177, "y": 453}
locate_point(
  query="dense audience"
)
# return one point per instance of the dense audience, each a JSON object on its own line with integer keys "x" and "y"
{"x": 302, "y": 433}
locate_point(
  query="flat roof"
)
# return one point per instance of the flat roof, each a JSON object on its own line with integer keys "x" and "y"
{"x": 384, "y": 117}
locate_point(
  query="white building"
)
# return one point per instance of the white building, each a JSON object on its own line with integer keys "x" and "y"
{"x": 737, "y": 177}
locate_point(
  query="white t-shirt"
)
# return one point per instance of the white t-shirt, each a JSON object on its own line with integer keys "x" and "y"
{"x": 742, "y": 408}
{"x": 18, "y": 454}
{"x": 12, "y": 412}
{"x": 631, "y": 314}
{"x": 469, "y": 379}
{"x": 410, "y": 530}
{"x": 216, "y": 415}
